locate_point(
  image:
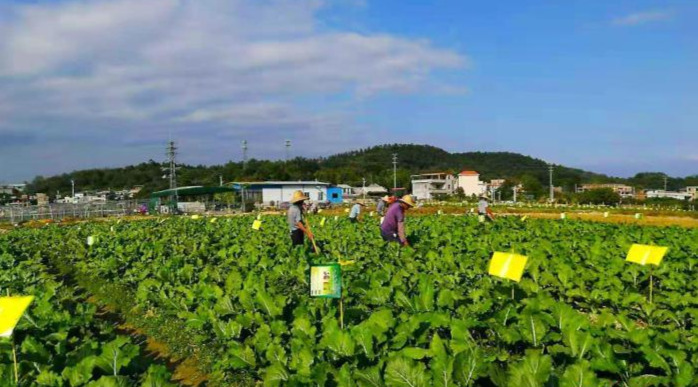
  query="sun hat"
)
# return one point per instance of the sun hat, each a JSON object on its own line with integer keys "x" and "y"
{"x": 298, "y": 196}
{"x": 385, "y": 198}
{"x": 407, "y": 199}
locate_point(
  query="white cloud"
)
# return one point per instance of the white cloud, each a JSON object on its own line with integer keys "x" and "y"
{"x": 198, "y": 65}
{"x": 638, "y": 18}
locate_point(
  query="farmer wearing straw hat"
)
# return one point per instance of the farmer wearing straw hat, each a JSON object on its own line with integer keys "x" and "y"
{"x": 483, "y": 208}
{"x": 295, "y": 219}
{"x": 355, "y": 211}
{"x": 393, "y": 227}
{"x": 382, "y": 203}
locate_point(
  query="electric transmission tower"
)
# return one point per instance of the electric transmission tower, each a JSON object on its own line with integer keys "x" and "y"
{"x": 171, "y": 167}
{"x": 552, "y": 189}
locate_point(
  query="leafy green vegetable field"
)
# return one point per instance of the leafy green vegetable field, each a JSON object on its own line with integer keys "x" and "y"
{"x": 235, "y": 301}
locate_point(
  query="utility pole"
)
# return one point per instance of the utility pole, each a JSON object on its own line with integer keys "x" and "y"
{"x": 244, "y": 154}
{"x": 72, "y": 184}
{"x": 394, "y": 172}
{"x": 363, "y": 187}
{"x": 666, "y": 181}
{"x": 220, "y": 180}
{"x": 552, "y": 191}
{"x": 288, "y": 149}
{"x": 514, "y": 189}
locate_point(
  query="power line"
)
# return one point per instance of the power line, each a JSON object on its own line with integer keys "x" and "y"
{"x": 288, "y": 149}
{"x": 394, "y": 171}
{"x": 244, "y": 154}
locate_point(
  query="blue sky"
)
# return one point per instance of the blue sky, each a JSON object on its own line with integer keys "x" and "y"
{"x": 604, "y": 86}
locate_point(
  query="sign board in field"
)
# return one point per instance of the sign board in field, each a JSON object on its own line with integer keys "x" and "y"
{"x": 646, "y": 254}
{"x": 11, "y": 310}
{"x": 326, "y": 280}
{"x": 507, "y": 265}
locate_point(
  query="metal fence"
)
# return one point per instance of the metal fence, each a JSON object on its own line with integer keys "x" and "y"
{"x": 56, "y": 211}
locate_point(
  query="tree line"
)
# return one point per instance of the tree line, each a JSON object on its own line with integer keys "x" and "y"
{"x": 374, "y": 164}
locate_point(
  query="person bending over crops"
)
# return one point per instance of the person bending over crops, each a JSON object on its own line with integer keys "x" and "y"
{"x": 393, "y": 227}
{"x": 296, "y": 221}
{"x": 355, "y": 211}
{"x": 483, "y": 209}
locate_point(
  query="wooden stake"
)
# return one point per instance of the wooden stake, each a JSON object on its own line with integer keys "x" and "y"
{"x": 651, "y": 284}
{"x": 341, "y": 312}
{"x": 14, "y": 359}
{"x": 512, "y": 292}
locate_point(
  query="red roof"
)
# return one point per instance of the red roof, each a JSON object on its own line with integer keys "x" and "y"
{"x": 469, "y": 173}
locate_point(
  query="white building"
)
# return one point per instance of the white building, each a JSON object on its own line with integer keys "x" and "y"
{"x": 426, "y": 185}
{"x": 693, "y": 191}
{"x": 347, "y": 191}
{"x": 658, "y": 193}
{"x": 371, "y": 190}
{"x": 625, "y": 191}
{"x": 470, "y": 182}
{"x": 272, "y": 193}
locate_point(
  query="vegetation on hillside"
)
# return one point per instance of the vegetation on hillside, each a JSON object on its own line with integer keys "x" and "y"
{"x": 374, "y": 164}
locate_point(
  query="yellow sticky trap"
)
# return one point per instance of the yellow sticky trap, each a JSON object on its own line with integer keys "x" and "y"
{"x": 524, "y": 218}
{"x": 259, "y": 216}
{"x": 605, "y": 214}
{"x": 322, "y": 222}
{"x": 638, "y": 216}
{"x": 336, "y": 218}
{"x": 214, "y": 220}
{"x": 195, "y": 217}
{"x": 646, "y": 255}
{"x": 257, "y": 224}
{"x": 91, "y": 240}
{"x": 346, "y": 210}
{"x": 563, "y": 216}
{"x": 345, "y": 263}
{"x": 481, "y": 218}
{"x": 11, "y": 310}
{"x": 319, "y": 211}
{"x": 507, "y": 265}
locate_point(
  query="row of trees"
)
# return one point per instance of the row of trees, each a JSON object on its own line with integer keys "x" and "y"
{"x": 374, "y": 164}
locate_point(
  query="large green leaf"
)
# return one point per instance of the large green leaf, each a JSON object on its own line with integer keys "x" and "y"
{"x": 401, "y": 372}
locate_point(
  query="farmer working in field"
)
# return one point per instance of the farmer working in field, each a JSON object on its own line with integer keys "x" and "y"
{"x": 355, "y": 211}
{"x": 483, "y": 208}
{"x": 382, "y": 204}
{"x": 393, "y": 227}
{"x": 295, "y": 219}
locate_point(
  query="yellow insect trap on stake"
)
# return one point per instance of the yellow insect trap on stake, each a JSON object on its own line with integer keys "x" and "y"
{"x": 11, "y": 310}
{"x": 507, "y": 265}
{"x": 257, "y": 224}
{"x": 647, "y": 255}
{"x": 322, "y": 222}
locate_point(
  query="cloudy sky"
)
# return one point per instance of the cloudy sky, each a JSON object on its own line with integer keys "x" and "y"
{"x": 606, "y": 86}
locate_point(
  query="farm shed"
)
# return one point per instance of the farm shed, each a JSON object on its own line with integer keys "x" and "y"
{"x": 184, "y": 194}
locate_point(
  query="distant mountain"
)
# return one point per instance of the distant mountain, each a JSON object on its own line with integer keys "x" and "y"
{"x": 374, "y": 164}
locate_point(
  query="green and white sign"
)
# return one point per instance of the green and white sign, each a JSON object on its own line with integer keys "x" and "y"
{"x": 326, "y": 280}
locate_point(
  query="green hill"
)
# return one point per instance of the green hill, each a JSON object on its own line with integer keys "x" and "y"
{"x": 374, "y": 164}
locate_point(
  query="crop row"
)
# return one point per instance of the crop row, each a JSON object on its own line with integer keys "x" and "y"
{"x": 427, "y": 315}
